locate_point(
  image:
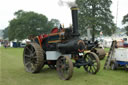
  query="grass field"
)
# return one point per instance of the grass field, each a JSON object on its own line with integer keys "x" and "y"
{"x": 12, "y": 73}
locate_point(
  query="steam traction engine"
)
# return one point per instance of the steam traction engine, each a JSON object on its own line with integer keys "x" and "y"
{"x": 57, "y": 49}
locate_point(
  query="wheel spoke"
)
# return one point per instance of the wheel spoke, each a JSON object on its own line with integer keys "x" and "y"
{"x": 32, "y": 66}
{"x": 26, "y": 55}
{"x": 28, "y": 49}
{"x": 32, "y": 49}
{"x": 34, "y": 53}
{"x": 90, "y": 69}
{"x": 94, "y": 61}
{"x": 28, "y": 64}
{"x": 95, "y": 64}
{"x": 60, "y": 63}
{"x": 89, "y": 59}
{"x": 94, "y": 68}
{"x": 34, "y": 57}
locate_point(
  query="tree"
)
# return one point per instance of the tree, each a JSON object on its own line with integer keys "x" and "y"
{"x": 5, "y": 33}
{"x": 55, "y": 22}
{"x": 125, "y": 22}
{"x": 95, "y": 14}
{"x": 28, "y": 23}
{"x": 52, "y": 24}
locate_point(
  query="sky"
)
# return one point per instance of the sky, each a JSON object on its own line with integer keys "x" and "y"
{"x": 52, "y": 9}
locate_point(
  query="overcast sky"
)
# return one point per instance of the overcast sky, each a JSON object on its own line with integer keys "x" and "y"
{"x": 51, "y": 9}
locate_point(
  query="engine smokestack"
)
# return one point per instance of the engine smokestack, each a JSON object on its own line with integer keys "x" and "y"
{"x": 75, "y": 20}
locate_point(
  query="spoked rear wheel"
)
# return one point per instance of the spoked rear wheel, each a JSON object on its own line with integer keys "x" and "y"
{"x": 64, "y": 67}
{"x": 93, "y": 63}
{"x": 33, "y": 58}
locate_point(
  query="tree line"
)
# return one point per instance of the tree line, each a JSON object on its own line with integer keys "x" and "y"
{"x": 28, "y": 23}
{"x": 93, "y": 14}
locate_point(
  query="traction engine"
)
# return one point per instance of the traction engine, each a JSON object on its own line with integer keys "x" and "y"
{"x": 61, "y": 49}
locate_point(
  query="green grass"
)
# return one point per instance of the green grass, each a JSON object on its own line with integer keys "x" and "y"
{"x": 106, "y": 49}
{"x": 12, "y": 73}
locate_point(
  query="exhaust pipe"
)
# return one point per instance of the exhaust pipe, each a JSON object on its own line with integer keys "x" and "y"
{"x": 75, "y": 20}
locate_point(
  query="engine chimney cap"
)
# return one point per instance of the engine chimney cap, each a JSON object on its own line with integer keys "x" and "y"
{"x": 74, "y": 8}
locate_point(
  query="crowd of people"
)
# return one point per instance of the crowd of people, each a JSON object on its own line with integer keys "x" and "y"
{"x": 4, "y": 43}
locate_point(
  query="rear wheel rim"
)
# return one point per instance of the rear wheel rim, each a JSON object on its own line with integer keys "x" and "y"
{"x": 30, "y": 58}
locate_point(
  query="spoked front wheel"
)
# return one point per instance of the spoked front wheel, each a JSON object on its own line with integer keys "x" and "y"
{"x": 93, "y": 65}
{"x": 64, "y": 67}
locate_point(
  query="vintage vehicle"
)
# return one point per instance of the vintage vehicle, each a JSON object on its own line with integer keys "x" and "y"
{"x": 119, "y": 59}
{"x": 117, "y": 56}
{"x": 58, "y": 50}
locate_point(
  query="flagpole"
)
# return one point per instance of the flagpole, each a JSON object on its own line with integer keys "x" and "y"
{"x": 117, "y": 13}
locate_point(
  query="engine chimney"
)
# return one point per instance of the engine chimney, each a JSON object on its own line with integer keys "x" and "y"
{"x": 75, "y": 21}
